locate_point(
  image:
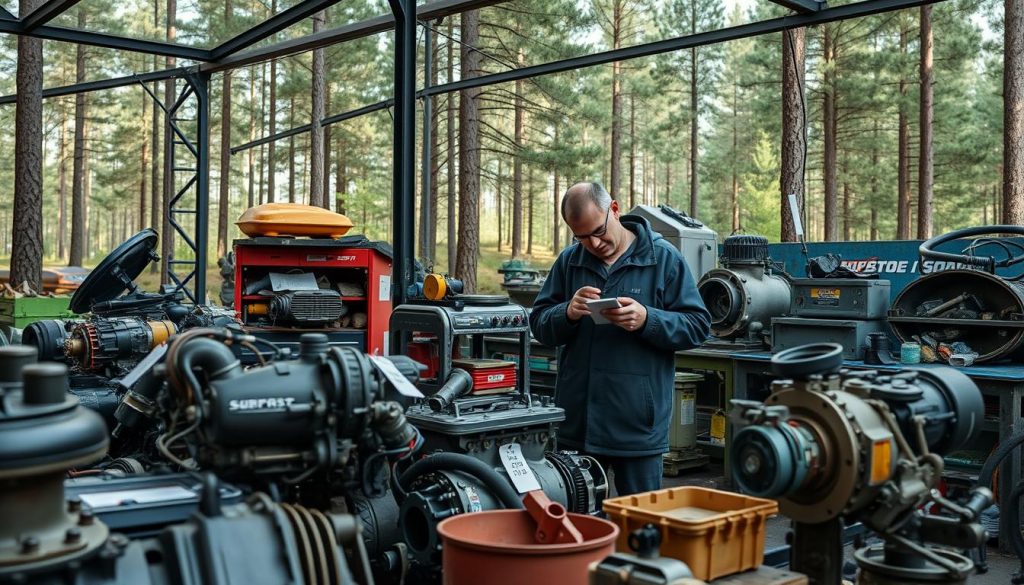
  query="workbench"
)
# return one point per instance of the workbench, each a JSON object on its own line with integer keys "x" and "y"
{"x": 1003, "y": 382}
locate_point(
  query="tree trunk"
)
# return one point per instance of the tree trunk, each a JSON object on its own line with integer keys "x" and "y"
{"x": 450, "y": 130}
{"x": 529, "y": 220}
{"x": 794, "y": 139}
{"x": 272, "y": 129}
{"x": 167, "y": 247}
{"x": 328, "y": 197}
{"x": 632, "y": 150}
{"x": 316, "y": 134}
{"x": 926, "y": 176}
{"x": 251, "y": 155}
{"x": 291, "y": 153}
{"x": 874, "y": 182}
{"x": 1013, "y": 114}
{"x": 735, "y": 198}
{"x": 830, "y": 128}
{"x": 27, "y": 246}
{"x": 143, "y": 162}
{"x": 555, "y": 247}
{"x": 469, "y": 156}
{"x": 498, "y": 191}
{"x": 694, "y": 122}
{"x": 903, "y": 146}
{"x": 616, "y": 138}
{"x": 517, "y": 170}
{"x": 76, "y": 254}
{"x": 225, "y": 155}
{"x": 434, "y": 144}
{"x": 62, "y": 190}
{"x": 340, "y": 179}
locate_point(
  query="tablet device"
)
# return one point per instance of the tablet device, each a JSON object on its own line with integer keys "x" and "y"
{"x": 598, "y": 305}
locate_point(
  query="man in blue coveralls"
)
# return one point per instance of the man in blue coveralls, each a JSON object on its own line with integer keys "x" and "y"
{"x": 615, "y": 380}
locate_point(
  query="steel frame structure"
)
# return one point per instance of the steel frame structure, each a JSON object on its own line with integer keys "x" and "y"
{"x": 404, "y": 17}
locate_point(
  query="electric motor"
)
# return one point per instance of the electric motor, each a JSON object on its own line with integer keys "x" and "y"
{"x": 117, "y": 342}
{"x": 745, "y": 293}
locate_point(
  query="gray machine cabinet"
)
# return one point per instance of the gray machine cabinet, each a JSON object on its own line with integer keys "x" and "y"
{"x": 697, "y": 242}
{"x": 790, "y": 332}
{"x": 840, "y": 298}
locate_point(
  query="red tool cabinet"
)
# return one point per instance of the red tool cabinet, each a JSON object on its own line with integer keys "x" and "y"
{"x": 353, "y": 260}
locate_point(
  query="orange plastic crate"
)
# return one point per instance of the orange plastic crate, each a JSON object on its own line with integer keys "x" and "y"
{"x": 715, "y": 532}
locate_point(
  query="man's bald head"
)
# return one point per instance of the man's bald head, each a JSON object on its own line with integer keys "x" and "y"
{"x": 580, "y": 196}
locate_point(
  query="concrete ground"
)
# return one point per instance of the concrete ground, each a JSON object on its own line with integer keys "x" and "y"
{"x": 1001, "y": 566}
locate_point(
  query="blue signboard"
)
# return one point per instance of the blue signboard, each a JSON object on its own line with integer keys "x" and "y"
{"x": 896, "y": 261}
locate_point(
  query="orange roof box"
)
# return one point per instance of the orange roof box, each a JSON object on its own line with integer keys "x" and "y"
{"x": 293, "y": 219}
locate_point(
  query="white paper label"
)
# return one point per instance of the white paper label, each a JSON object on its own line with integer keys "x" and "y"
{"x": 687, "y": 408}
{"x": 384, "y": 290}
{"x": 400, "y": 382}
{"x": 101, "y": 500}
{"x": 518, "y": 470}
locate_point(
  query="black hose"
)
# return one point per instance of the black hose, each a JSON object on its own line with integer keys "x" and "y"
{"x": 468, "y": 465}
{"x": 1016, "y": 539}
{"x": 213, "y": 357}
{"x": 996, "y": 458}
{"x": 988, "y": 469}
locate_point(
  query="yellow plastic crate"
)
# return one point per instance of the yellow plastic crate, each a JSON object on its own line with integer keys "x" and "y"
{"x": 715, "y": 532}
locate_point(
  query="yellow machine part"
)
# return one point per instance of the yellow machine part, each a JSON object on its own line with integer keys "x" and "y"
{"x": 435, "y": 287}
{"x": 293, "y": 219}
{"x": 162, "y": 331}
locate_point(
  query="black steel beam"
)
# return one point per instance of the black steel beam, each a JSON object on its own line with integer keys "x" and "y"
{"x": 844, "y": 12}
{"x": 802, "y": 6}
{"x": 102, "y": 84}
{"x": 348, "y": 32}
{"x": 44, "y": 13}
{"x": 272, "y": 25}
{"x": 96, "y": 39}
{"x": 6, "y": 14}
{"x": 376, "y": 107}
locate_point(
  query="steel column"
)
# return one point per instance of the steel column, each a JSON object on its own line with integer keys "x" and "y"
{"x": 404, "y": 151}
{"x": 428, "y": 114}
{"x": 201, "y": 86}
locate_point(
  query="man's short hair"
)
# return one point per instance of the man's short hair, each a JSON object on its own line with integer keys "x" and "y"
{"x": 573, "y": 203}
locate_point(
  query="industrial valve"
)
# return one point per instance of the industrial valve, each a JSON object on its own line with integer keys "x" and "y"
{"x": 866, "y": 446}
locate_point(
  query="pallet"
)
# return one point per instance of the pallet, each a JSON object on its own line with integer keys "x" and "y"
{"x": 676, "y": 462}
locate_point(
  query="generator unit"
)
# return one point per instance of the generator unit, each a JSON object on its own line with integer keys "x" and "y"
{"x": 697, "y": 242}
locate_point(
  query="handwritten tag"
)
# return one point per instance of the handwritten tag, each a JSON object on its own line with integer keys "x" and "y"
{"x": 517, "y": 468}
{"x": 400, "y": 382}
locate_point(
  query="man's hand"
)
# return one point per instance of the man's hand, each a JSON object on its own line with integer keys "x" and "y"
{"x": 577, "y": 308}
{"x": 631, "y": 316}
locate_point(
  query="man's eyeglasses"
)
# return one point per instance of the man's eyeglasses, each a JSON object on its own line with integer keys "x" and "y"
{"x": 599, "y": 232}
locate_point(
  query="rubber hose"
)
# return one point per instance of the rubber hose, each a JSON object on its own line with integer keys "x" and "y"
{"x": 213, "y": 357}
{"x": 996, "y": 458}
{"x": 468, "y": 465}
{"x": 1016, "y": 538}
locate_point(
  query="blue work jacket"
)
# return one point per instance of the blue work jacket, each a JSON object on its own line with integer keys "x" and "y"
{"x": 616, "y": 385}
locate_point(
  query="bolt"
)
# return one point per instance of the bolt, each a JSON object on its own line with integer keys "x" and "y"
{"x": 73, "y": 535}
{"x": 74, "y": 504}
{"x": 85, "y": 518}
{"x": 29, "y": 544}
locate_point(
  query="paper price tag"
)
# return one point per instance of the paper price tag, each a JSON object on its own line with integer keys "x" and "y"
{"x": 518, "y": 470}
{"x": 400, "y": 382}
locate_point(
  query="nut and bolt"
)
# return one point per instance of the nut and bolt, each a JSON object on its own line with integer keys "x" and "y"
{"x": 29, "y": 544}
{"x": 85, "y": 518}
{"x": 73, "y": 535}
{"x": 74, "y": 504}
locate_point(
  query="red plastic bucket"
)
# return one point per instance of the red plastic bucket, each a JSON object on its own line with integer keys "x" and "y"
{"x": 497, "y": 547}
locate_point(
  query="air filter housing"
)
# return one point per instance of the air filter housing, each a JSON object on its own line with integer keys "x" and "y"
{"x": 307, "y": 307}
{"x": 744, "y": 249}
